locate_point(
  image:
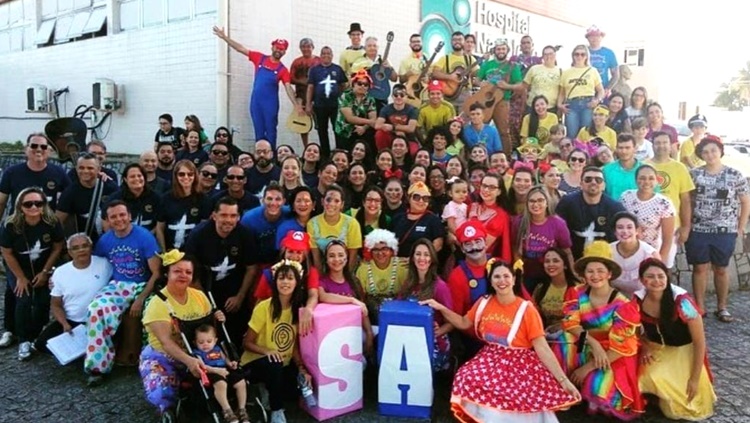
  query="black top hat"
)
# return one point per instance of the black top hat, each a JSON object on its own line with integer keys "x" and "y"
{"x": 354, "y": 26}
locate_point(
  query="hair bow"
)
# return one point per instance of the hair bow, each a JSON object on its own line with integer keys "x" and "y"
{"x": 523, "y": 165}
{"x": 544, "y": 167}
{"x": 389, "y": 173}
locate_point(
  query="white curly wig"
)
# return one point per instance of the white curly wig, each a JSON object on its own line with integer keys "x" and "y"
{"x": 381, "y": 235}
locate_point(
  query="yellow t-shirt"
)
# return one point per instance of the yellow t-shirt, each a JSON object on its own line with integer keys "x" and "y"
{"x": 411, "y": 65}
{"x": 587, "y": 86}
{"x": 551, "y": 306}
{"x": 542, "y": 131}
{"x": 456, "y": 148}
{"x": 280, "y": 335}
{"x": 543, "y": 81}
{"x": 381, "y": 278}
{"x": 347, "y": 229}
{"x": 430, "y": 117}
{"x": 608, "y": 135}
{"x": 348, "y": 57}
{"x": 687, "y": 152}
{"x": 196, "y": 306}
{"x": 361, "y": 62}
{"x": 674, "y": 179}
{"x": 454, "y": 61}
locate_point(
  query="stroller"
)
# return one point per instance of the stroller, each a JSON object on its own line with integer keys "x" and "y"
{"x": 188, "y": 395}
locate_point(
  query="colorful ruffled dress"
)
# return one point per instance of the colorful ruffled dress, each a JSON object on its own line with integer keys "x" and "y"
{"x": 506, "y": 381}
{"x": 612, "y": 391}
{"x": 672, "y": 348}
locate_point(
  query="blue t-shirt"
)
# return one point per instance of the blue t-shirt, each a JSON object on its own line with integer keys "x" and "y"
{"x": 603, "y": 60}
{"x": 128, "y": 255}
{"x": 487, "y": 136}
{"x": 144, "y": 210}
{"x": 263, "y": 233}
{"x": 212, "y": 358}
{"x": 52, "y": 180}
{"x": 326, "y": 80}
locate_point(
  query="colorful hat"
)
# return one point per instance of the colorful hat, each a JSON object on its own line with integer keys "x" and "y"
{"x": 171, "y": 257}
{"x": 435, "y": 85}
{"x": 598, "y": 252}
{"x": 530, "y": 145}
{"x": 709, "y": 139}
{"x": 381, "y": 235}
{"x": 362, "y": 74}
{"x": 501, "y": 41}
{"x": 296, "y": 241}
{"x": 469, "y": 231}
{"x": 420, "y": 188}
{"x": 594, "y": 30}
{"x": 355, "y": 27}
{"x": 280, "y": 44}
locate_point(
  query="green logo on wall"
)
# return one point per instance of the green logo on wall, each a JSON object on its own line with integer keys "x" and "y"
{"x": 441, "y": 18}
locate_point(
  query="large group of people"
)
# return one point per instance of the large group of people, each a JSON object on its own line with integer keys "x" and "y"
{"x": 541, "y": 231}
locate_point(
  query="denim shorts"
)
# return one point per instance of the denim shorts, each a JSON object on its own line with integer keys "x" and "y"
{"x": 717, "y": 249}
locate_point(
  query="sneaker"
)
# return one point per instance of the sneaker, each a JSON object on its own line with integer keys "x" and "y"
{"x": 265, "y": 402}
{"x": 278, "y": 416}
{"x": 24, "y": 351}
{"x": 6, "y": 339}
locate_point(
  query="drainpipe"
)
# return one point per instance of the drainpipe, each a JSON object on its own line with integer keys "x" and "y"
{"x": 222, "y": 66}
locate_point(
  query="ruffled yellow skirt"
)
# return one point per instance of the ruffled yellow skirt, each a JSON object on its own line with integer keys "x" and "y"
{"x": 667, "y": 378}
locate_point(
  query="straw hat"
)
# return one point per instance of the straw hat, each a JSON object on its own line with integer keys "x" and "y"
{"x": 598, "y": 252}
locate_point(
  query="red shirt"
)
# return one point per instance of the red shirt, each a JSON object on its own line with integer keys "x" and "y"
{"x": 270, "y": 64}
{"x": 458, "y": 284}
{"x": 301, "y": 68}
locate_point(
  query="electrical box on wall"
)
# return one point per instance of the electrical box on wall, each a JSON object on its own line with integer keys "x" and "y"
{"x": 37, "y": 98}
{"x": 104, "y": 92}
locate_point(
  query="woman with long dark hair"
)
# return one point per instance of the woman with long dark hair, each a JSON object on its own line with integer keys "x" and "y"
{"x": 539, "y": 121}
{"x": 310, "y": 164}
{"x": 618, "y": 116}
{"x": 490, "y": 211}
{"x": 637, "y": 104}
{"x": 356, "y": 179}
{"x": 143, "y": 203}
{"x": 550, "y": 294}
{"x": 371, "y": 215}
{"x": 193, "y": 149}
{"x": 182, "y": 208}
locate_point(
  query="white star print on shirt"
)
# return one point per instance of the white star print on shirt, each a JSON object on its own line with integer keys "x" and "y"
{"x": 35, "y": 252}
{"x": 328, "y": 82}
{"x": 181, "y": 228}
{"x": 222, "y": 270}
{"x": 590, "y": 235}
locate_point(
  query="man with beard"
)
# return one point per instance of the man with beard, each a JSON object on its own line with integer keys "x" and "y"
{"x": 436, "y": 112}
{"x": 325, "y": 83}
{"x": 507, "y": 76}
{"x": 165, "y": 155}
{"x": 443, "y": 68}
{"x": 415, "y": 62}
{"x": 300, "y": 70}
{"x": 224, "y": 249}
{"x": 149, "y": 162}
{"x": 264, "y": 171}
{"x": 269, "y": 71}
{"x": 467, "y": 281}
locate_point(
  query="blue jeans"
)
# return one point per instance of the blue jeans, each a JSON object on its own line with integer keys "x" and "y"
{"x": 578, "y": 116}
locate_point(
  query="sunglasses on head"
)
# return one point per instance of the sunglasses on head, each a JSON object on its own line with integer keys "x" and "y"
{"x": 30, "y": 204}
{"x": 210, "y": 175}
{"x": 35, "y": 146}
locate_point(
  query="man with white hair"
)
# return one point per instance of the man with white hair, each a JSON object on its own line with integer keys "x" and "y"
{"x": 74, "y": 286}
{"x": 382, "y": 272}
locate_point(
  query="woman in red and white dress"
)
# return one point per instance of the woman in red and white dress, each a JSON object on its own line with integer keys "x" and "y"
{"x": 514, "y": 377}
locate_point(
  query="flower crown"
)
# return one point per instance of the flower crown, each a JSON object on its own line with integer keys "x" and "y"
{"x": 171, "y": 257}
{"x": 293, "y": 263}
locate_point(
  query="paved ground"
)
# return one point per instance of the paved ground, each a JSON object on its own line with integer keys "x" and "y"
{"x": 41, "y": 390}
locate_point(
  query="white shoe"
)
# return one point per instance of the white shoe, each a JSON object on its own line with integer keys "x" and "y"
{"x": 265, "y": 402}
{"x": 24, "y": 351}
{"x": 6, "y": 339}
{"x": 278, "y": 416}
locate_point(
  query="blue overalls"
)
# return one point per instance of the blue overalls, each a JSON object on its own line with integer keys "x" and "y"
{"x": 479, "y": 287}
{"x": 264, "y": 103}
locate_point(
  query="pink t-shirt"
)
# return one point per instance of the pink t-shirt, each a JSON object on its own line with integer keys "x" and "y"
{"x": 552, "y": 233}
{"x": 456, "y": 210}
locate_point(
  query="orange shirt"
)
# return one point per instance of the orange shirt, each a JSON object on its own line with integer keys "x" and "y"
{"x": 497, "y": 319}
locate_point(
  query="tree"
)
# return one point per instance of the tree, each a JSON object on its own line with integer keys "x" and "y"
{"x": 735, "y": 94}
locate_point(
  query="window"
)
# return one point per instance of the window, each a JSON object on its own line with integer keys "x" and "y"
{"x": 129, "y": 15}
{"x": 4, "y": 42}
{"x": 70, "y": 20}
{"x": 634, "y": 57}
{"x": 45, "y": 32}
{"x": 134, "y": 14}
{"x": 96, "y": 20}
{"x": 62, "y": 28}
{"x": 4, "y": 15}
{"x": 49, "y": 8}
{"x": 76, "y": 26}
{"x": 16, "y": 39}
{"x": 81, "y": 4}
{"x": 205, "y": 6}
{"x": 153, "y": 13}
{"x": 178, "y": 10}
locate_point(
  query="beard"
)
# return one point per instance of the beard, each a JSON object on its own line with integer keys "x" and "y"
{"x": 166, "y": 162}
{"x": 457, "y": 47}
{"x": 417, "y": 49}
{"x": 501, "y": 58}
{"x": 262, "y": 162}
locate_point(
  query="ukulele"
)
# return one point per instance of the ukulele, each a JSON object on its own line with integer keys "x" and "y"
{"x": 452, "y": 88}
{"x": 415, "y": 85}
{"x": 381, "y": 84}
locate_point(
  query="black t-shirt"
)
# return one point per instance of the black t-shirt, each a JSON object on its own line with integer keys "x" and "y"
{"x": 226, "y": 258}
{"x": 164, "y": 174}
{"x": 33, "y": 246}
{"x": 247, "y": 203}
{"x": 400, "y": 117}
{"x": 144, "y": 210}
{"x": 394, "y": 212}
{"x": 198, "y": 157}
{"x": 111, "y": 183}
{"x": 257, "y": 180}
{"x": 173, "y": 136}
{"x": 408, "y": 231}
{"x": 354, "y": 199}
{"x": 159, "y": 185}
{"x": 181, "y": 216}
{"x": 588, "y": 221}
{"x": 76, "y": 201}
{"x": 52, "y": 180}
{"x": 311, "y": 179}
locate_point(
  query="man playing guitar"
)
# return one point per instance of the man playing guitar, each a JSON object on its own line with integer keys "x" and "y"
{"x": 367, "y": 62}
{"x": 414, "y": 63}
{"x": 499, "y": 71}
{"x": 299, "y": 70}
{"x": 455, "y": 70}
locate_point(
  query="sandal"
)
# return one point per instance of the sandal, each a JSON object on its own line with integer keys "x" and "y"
{"x": 243, "y": 416}
{"x": 724, "y": 316}
{"x": 230, "y": 417}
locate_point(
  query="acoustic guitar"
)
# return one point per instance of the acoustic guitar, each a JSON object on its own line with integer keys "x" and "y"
{"x": 489, "y": 95}
{"x": 299, "y": 124}
{"x": 381, "y": 84}
{"x": 452, "y": 88}
{"x": 415, "y": 83}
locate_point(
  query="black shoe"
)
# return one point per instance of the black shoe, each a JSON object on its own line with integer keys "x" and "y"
{"x": 94, "y": 380}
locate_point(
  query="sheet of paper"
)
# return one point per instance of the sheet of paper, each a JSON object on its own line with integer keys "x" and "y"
{"x": 67, "y": 347}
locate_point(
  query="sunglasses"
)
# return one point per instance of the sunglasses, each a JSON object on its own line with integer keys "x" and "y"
{"x": 529, "y": 150}
{"x": 399, "y": 94}
{"x": 235, "y": 177}
{"x": 590, "y": 179}
{"x": 210, "y": 175}
{"x": 578, "y": 159}
{"x": 362, "y": 84}
{"x": 222, "y": 135}
{"x": 421, "y": 198}
{"x": 30, "y": 204}
{"x": 579, "y": 54}
{"x": 185, "y": 174}
{"x": 34, "y": 146}
{"x": 219, "y": 152}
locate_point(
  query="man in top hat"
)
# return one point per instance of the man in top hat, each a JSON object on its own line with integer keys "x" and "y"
{"x": 697, "y": 125}
{"x": 602, "y": 59}
{"x": 355, "y": 50}
{"x": 269, "y": 71}
{"x": 436, "y": 112}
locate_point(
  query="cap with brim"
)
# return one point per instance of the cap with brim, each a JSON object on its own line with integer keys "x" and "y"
{"x": 296, "y": 241}
{"x": 598, "y": 252}
{"x": 697, "y": 120}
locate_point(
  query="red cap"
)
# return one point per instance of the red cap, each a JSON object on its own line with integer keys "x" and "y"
{"x": 470, "y": 230}
{"x": 594, "y": 30}
{"x": 435, "y": 85}
{"x": 280, "y": 44}
{"x": 296, "y": 240}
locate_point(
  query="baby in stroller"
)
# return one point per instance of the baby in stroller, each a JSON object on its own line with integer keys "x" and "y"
{"x": 221, "y": 373}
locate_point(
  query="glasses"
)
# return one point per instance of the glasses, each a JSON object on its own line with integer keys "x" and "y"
{"x": 219, "y": 152}
{"x": 489, "y": 187}
{"x": 566, "y": 145}
{"x": 437, "y": 177}
{"x": 362, "y": 84}
{"x": 421, "y": 198}
{"x": 235, "y": 177}
{"x": 79, "y": 247}
{"x": 222, "y": 135}
{"x": 529, "y": 150}
{"x": 399, "y": 94}
{"x": 35, "y": 146}
{"x": 210, "y": 175}
{"x": 578, "y": 159}
{"x": 30, "y": 204}
{"x": 373, "y": 200}
{"x": 590, "y": 179}
{"x": 579, "y": 54}
{"x": 185, "y": 174}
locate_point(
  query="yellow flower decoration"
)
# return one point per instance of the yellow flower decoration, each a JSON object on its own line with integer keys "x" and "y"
{"x": 518, "y": 265}
{"x": 171, "y": 257}
{"x": 293, "y": 263}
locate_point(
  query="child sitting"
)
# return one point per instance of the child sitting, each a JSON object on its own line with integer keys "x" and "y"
{"x": 216, "y": 363}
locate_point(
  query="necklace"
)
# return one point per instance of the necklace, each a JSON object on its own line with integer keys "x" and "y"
{"x": 373, "y": 289}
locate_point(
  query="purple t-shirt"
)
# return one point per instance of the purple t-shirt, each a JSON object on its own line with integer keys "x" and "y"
{"x": 552, "y": 233}
{"x": 332, "y": 287}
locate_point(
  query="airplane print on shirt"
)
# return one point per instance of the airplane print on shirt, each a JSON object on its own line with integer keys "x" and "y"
{"x": 223, "y": 269}
{"x": 35, "y": 252}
